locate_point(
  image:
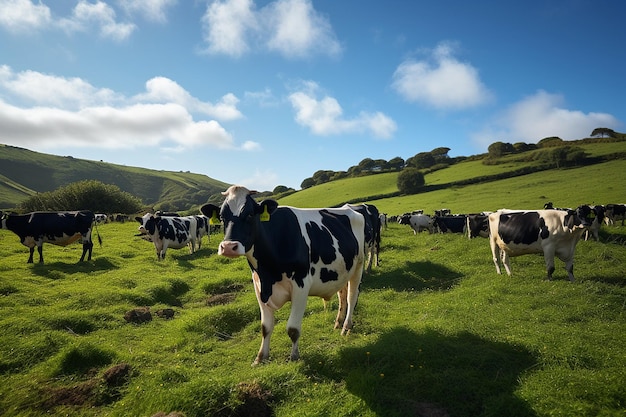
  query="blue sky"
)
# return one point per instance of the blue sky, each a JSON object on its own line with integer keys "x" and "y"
{"x": 265, "y": 93}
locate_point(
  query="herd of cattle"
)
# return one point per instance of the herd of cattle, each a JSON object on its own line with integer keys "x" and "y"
{"x": 295, "y": 253}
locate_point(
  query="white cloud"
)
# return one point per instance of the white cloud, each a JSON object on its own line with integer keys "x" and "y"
{"x": 293, "y": 28}
{"x": 87, "y": 15}
{"x": 162, "y": 90}
{"x": 325, "y": 116}
{"x": 441, "y": 81}
{"x": 153, "y": 10}
{"x": 56, "y": 112}
{"x": 226, "y": 26}
{"x": 22, "y": 16}
{"x": 539, "y": 116}
{"x": 260, "y": 181}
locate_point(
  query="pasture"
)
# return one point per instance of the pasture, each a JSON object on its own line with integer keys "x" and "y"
{"x": 437, "y": 333}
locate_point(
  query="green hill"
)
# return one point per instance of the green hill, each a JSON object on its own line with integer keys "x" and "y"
{"x": 24, "y": 173}
{"x": 471, "y": 186}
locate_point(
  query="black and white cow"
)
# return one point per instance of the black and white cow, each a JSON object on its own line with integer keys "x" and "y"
{"x": 372, "y": 232}
{"x": 169, "y": 232}
{"x": 477, "y": 225}
{"x": 59, "y": 228}
{"x": 450, "y": 223}
{"x": 203, "y": 228}
{"x": 615, "y": 212}
{"x": 551, "y": 232}
{"x": 101, "y": 218}
{"x": 598, "y": 217}
{"x": 418, "y": 222}
{"x": 293, "y": 254}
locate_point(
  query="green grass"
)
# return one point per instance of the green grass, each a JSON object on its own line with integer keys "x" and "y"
{"x": 436, "y": 329}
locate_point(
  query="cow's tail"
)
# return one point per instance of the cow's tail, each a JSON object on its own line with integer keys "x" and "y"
{"x": 98, "y": 232}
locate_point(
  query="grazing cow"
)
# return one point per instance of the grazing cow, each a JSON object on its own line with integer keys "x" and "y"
{"x": 293, "y": 253}
{"x": 551, "y": 232}
{"x": 101, "y": 218}
{"x": 478, "y": 225}
{"x": 615, "y": 212}
{"x": 418, "y": 222}
{"x": 202, "y": 229}
{"x": 372, "y": 231}
{"x": 383, "y": 221}
{"x": 450, "y": 223}
{"x": 59, "y": 228}
{"x": 597, "y": 214}
{"x": 169, "y": 232}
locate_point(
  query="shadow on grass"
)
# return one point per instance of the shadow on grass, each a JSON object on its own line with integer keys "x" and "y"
{"x": 405, "y": 373}
{"x": 413, "y": 276}
{"x": 55, "y": 270}
{"x": 184, "y": 259}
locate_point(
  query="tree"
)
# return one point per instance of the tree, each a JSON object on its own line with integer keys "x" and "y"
{"x": 280, "y": 189}
{"x": 550, "y": 142}
{"x": 602, "y": 132}
{"x": 498, "y": 149}
{"x": 421, "y": 160}
{"x": 307, "y": 183}
{"x": 410, "y": 181}
{"x": 396, "y": 163}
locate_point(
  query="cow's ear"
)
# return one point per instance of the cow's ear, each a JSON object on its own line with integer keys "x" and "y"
{"x": 211, "y": 211}
{"x": 139, "y": 219}
{"x": 266, "y": 208}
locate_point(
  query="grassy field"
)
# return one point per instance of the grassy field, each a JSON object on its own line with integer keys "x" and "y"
{"x": 437, "y": 332}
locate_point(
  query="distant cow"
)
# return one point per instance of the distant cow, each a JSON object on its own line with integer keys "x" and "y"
{"x": 598, "y": 217}
{"x": 372, "y": 232}
{"x": 448, "y": 223}
{"x": 59, "y": 228}
{"x": 551, "y": 232}
{"x": 615, "y": 212}
{"x": 477, "y": 225}
{"x": 169, "y": 232}
{"x": 293, "y": 253}
{"x": 101, "y": 218}
{"x": 202, "y": 229}
{"x": 418, "y": 222}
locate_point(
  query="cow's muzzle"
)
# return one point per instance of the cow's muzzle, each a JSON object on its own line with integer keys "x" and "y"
{"x": 230, "y": 249}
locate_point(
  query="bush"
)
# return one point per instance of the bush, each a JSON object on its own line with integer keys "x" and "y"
{"x": 410, "y": 181}
{"x": 84, "y": 195}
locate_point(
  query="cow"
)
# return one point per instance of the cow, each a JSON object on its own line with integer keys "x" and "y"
{"x": 477, "y": 225}
{"x": 551, "y": 232}
{"x": 450, "y": 223}
{"x": 372, "y": 232}
{"x": 597, "y": 215}
{"x": 101, "y": 218}
{"x": 169, "y": 232}
{"x": 418, "y": 222}
{"x": 615, "y": 212}
{"x": 202, "y": 229}
{"x": 59, "y": 228}
{"x": 293, "y": 253}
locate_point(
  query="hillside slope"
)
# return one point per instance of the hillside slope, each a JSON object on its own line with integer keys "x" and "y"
{"x": 24, "y": 173}
{"x": 566, "y": 187}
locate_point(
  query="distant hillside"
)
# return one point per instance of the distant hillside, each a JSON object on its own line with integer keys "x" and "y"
{"x": 516, "y": 181}
{"x": 24, "y": 173}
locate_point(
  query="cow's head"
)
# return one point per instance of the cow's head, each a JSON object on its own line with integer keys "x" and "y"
{"x": 147, "y": 224}
{"x": 241, "y": 216}
{"x": 582, "y": 217}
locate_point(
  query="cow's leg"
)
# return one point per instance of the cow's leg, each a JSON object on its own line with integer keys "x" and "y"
{"x": 549, "y": 257}
{"x": 495, "y": 253}
{"x": 87, "y": 249}
{"x": 30, "y": 258}
{"x": 370, "y": 258}
{"x": 353, "y": 296}
{"x": 267, "y": 323}
{"x": 506, "y": 261}
{"x": 294, "y": 323}
{"x": 40, "y": 250}
{"x": 342, "y": 296}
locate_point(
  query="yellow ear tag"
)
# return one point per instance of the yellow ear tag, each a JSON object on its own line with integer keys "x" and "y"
{"x": 214, "y": 219}
{"x": 265, "y": 216}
